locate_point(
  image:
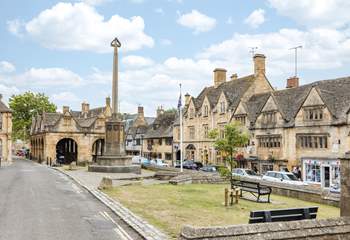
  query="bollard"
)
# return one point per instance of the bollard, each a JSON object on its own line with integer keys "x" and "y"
{"x": 226, "y": 197}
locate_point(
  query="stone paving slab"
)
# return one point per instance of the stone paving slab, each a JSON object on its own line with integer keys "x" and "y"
{"x": 93, "y": 179}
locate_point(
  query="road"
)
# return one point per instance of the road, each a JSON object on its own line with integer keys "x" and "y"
{"x": 39, "y": 203}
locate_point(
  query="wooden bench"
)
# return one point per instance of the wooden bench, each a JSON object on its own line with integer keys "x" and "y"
{"x": 255, "y": 188}
{"x": 281, "y": 215}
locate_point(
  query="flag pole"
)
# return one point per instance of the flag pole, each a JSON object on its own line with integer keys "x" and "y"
{"x": 181, "y": 132}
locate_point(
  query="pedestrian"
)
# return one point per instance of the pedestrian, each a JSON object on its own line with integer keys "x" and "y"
{"x": 299, "y": 173}
{"x": 255, "y": 169}
{"x": 295, "y": 172}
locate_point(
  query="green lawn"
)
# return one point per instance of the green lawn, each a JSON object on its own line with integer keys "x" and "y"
{"x": 169, "y": 207}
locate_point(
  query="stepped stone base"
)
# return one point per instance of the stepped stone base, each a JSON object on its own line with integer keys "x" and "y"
{"x": 115, "y": 164}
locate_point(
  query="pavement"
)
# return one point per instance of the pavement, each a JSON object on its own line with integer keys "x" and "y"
{"x": 40, "y": 203}
{"x": 92, "y": 179}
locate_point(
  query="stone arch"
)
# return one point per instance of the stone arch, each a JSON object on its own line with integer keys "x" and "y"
{"x": 66, "y": 151}
{"x": 97, "y": 148}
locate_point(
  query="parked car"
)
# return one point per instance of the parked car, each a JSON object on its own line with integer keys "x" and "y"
{"x": 137, "y": 159}
{"x": 208, "y": 168}
{"x": 145, "y": 162}
{"x": 190, "y": 164}
{"x": 282, "y": 177}
{"x": 160, "y": 163}
{"x": 248, "y": 173}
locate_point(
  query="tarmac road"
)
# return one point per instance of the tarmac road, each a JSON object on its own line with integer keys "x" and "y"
{"x": 39, "y": 203}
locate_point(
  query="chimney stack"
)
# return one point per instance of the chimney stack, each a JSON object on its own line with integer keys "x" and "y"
{"x": 234, "y": 76}
{"x": 85, "y": 107}
{"x": 140, "y": 111}
{"x": 187, "y": 99}
{"x": 219, "y": 76}
{"x": 0, "y": 97}
{"x": 293, "y": 82}
{"x": 108, "y": 101}
{"x": 65, "y": 109}
{"x": 259, "y": 64}
{"x": 160, "y": 111}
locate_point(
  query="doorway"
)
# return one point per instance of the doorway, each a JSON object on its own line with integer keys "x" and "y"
{"x": 326, "y": 176}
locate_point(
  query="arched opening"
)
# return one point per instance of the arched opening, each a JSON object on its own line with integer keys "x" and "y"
{"x": 178, "y": 155}
{"x": 66, "y": 151}
{"x": 97, "y": 149}
{"x": 190, "y": 152}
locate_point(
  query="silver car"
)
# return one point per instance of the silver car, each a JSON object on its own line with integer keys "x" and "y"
{"x": 242, "y": 172}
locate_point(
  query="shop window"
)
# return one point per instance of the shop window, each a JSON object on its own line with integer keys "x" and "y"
{"x": 312, "y": 172}
{"x": 138, "y": 142}
{"x": 266, "y": 167}
{"x": 312, "y": 141}
{"x": 269, "y": 141}
{"x": 160, "y": 142}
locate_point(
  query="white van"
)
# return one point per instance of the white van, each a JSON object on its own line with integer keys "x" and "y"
{"x": 283, "y": 177}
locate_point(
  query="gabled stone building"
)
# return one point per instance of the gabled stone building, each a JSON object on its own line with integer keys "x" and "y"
{"x": 158, "y": 138}
{"x": 5, "y": 133}
{"x": 70, "y": 135}
{"x": 306, "y": 126}
{"x": 136, "y": 132}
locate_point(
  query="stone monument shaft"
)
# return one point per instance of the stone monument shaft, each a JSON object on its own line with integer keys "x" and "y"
{"x": 115, "y": 44}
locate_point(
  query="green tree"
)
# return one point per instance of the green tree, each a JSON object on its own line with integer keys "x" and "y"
{"x": 26, "y": 106}
{"x": 229, "y": 141}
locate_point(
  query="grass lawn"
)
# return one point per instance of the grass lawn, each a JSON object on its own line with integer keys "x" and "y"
{"x": 169, "y": 207}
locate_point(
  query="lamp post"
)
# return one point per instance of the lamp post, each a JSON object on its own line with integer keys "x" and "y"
{"x": 141, "y": 145}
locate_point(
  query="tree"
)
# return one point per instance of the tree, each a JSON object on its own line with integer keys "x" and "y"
{"x": 26, "y": 106}
{"x": 228, "y": 142}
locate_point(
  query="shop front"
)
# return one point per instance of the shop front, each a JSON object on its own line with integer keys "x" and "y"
{"x": 325, "y": 172}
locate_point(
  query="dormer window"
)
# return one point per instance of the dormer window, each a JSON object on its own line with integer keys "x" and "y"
{"x": 206, "y": 111}
{"x": 313, "y": 113}
{"x": 191, "y": 113}
{"x": 241, "y": 118}
{"x": 222, "y": 107}
{"x": 269, "y": 117}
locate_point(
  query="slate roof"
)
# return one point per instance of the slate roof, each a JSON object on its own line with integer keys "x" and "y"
{"x": 4, "y": 108}
{"x": 233, "y": 91}
{"x": 335, "y": 93}
{"x": 162, "y": 126}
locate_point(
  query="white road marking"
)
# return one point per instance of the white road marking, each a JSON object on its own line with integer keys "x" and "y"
{"x": 119, "y": 230}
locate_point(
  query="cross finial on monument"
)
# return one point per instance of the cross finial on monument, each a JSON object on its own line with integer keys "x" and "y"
{"x": 116, "y": 43}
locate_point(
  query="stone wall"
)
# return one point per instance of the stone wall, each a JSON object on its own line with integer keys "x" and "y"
{"x": 330, "y": 229}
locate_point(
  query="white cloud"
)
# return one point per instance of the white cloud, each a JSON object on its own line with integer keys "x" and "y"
{"x": 315, "y": 13}
{"x": 159, "y": 10}
{"x": 229, "y": 20}
{"x": 197, "y": 21}
{"x": 256, "y": 18}
{"x": 8, "y": 91}
{"x": 46, "y": 77}
{"x": 322, "y": 49}
{"x": 15, "y": 27}
{"x": 94, "y": 2}
{"x": 79, "y": 26}
{"x": 137, "y": 61}
{"x": 6, "y": 67}
{"x": 65, "y": 97}
{"x": 165, "y": 42}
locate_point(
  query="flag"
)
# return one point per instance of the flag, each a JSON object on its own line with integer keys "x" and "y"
{"x": 179, "y": 104}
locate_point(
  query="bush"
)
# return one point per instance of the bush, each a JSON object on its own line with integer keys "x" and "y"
{"x": 224, "y": 171}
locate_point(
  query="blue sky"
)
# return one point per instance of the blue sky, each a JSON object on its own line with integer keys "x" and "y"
{"x": 62, "y": 48}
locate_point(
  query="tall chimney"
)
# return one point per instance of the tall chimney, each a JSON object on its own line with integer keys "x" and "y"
{"x": 65, "y": 109}
{"x": 187, "y": 99}
{"x": 234, "y": 76}
{"x": 259, "y": 64}
{"x": 0, "y": 97}
{"x": 160, "y": 111}
{"x": 140, "y": 111}
{"x": 85, "y": 107}
{"x": 219, "y": 76}
{"x": 293, "y": 82}
{"x": 108, "y": 101}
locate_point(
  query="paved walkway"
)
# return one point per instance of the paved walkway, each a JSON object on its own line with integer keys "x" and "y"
{"x": 92, "y": 179}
